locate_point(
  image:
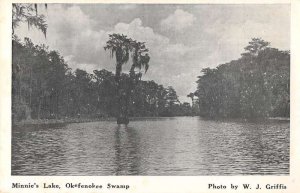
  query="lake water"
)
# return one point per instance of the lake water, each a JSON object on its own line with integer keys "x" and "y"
{"x": 156, "y": 146}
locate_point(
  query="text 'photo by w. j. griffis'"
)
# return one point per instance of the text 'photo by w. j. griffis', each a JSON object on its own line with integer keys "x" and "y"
{"x": 156, "y": 96}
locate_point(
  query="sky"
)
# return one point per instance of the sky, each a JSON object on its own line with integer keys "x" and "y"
{"x": 182, "y": 39}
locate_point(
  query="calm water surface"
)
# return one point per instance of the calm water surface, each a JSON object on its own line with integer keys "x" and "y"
{"x": 158, "y": 146}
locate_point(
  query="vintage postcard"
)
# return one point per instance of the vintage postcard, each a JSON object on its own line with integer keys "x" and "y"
{"x": 153, "y": 96}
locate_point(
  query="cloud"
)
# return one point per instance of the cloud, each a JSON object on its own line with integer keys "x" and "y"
{"x": 176, "y": 58}
{"x": 178, "y": 21}
{"x": 127, "y": 7}
{"x": 168, "y": 56}
{"x": 137, "y": 31}
{"x": 169, "y": 61}
{"x": 229, "y": 44}
{"x": 72, "y": 33}
{"x": 159, "y": 45}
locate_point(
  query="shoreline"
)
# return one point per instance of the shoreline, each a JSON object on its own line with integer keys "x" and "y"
{"x": 86, "y": 120}
{"x": 60, "y": 121}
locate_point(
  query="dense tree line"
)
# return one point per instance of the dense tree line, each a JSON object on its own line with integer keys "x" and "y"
{"x": 44, "y": 87}
{"x": 257, "y": 85}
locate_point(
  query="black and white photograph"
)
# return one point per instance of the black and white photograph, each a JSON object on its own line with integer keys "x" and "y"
{"x": 133, "y": 89}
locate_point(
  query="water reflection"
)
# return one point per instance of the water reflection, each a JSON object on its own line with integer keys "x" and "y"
{"x": 163, "y": 146}
{"x": 128, "y": 158}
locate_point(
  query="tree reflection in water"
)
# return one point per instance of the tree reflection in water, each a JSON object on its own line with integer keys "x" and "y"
{"x": 127, "y": 151}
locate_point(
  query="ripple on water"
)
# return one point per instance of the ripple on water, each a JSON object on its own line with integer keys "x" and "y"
{"x": 162, "y": 146}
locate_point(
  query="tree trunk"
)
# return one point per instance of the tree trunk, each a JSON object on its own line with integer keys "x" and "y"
{"x": 30, "y": 93}
{"x": 67, "y": 113}
{"x": 124, "y": 89}
{"x": 193, "y": 112}
{"x": 57, "y": 105}
{"x": 39, "y": 108}
{"x": 123, "y": 103}
{"x": 30, "y": 88}
{"x": 124, "y": 94}
{"x": 20, "y": 85}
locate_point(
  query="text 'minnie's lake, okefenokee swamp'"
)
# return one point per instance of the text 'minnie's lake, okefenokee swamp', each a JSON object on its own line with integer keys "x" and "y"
{"x": 150, "y": 89}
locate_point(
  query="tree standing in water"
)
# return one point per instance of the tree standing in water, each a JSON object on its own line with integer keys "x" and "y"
{"x": 121, "y": 47}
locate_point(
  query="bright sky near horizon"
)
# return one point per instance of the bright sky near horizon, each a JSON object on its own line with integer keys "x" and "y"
{"x": 182, "y": 39}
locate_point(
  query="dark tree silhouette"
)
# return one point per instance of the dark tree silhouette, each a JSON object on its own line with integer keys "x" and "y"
{"x": 253, "y": 86}
{"x": 120, "y": 47}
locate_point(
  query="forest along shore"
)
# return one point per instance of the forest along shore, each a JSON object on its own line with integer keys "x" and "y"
{"x": 84, "y": 120}
{"x": 45, "y": 89}
{"x": 59, "y": 121}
